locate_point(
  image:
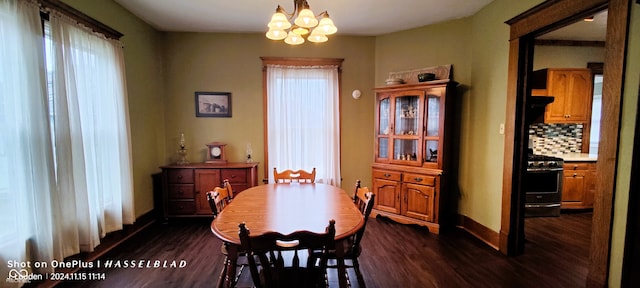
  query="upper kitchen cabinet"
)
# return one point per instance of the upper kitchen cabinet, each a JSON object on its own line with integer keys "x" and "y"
{"x": 572, "y": 89}
{"x": 411, "y": 150}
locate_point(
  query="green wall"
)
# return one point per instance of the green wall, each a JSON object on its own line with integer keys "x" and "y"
{"x": 164, "y": 70}
{"x": 204, "y": 62}
{"x": 566, "y": 56}
{"x": 478, "y": 48}
{"x": 434, "y": 45}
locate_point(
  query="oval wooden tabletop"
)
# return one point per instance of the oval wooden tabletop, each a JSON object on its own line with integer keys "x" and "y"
{"x": 286, "y": 208}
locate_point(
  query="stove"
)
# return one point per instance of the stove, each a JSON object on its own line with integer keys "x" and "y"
{"x": 543, "y": 186}
{"x": 544, "y": 163}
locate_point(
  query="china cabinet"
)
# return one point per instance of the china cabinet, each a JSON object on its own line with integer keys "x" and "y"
{"x": 412, "y": 132}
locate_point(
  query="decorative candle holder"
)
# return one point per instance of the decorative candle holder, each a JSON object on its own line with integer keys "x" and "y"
{"x": 182, "y": 154}
{"x": 249, "y": 152}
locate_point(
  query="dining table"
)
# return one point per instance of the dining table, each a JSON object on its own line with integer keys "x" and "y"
{"x": 286, "y": 208}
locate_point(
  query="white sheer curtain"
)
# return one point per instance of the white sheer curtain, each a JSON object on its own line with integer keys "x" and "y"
{"x": 59, "y": 197}
{"x": 26, "y": 163}
{"x": 303, "y": 123}
{"x": 91, "y": 135}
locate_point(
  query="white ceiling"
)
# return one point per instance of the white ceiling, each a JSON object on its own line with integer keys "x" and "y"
{"x": 595, "y": 30}
{"x": 352, "y": 17}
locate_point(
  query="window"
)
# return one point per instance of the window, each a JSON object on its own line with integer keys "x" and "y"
{"x": 303, "y": 116}
{"x": 61, "y": 200}
{"x": 596, "y": 112}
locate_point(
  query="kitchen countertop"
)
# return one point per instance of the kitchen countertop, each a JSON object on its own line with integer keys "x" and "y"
{"x": 577, "y": 157}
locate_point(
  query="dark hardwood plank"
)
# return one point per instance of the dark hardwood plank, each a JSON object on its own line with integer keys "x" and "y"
{"x": 394, "y": 255}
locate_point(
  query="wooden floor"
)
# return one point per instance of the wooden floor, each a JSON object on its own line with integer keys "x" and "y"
{"x": 394, "y": 255}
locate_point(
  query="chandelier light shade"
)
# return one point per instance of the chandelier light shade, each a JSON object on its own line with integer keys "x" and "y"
{"x": 305, "y": 25}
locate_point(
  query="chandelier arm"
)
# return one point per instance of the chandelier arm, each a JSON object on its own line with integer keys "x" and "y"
{"x": 323, "y": 13}
{"x": 300, "y": 4}
{"x": 289, "y": 15}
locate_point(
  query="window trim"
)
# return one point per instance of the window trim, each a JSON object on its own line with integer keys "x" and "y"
{"x": 293, "y": 61}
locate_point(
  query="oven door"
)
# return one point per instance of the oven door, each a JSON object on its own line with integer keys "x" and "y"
{"x": 543, "y": 190}
{"x": 543, "y": 181}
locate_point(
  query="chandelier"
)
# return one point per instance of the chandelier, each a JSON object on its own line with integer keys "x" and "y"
{"x": 305, "y": 25}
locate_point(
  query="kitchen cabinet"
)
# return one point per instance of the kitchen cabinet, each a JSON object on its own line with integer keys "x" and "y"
{"x": 578, "y": 185}
{"x": 572, "y": 89}
{"x": 184, "y": 186}
{"x": 412, "y": 143}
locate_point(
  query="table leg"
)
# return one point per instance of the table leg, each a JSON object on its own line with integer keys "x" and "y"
{"x": 227, "y": 280}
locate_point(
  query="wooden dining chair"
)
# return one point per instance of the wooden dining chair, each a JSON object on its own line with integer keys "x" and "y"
{"x": 291, "y": 176}
{"x": 364, "y": 200}
{"x": 219, "y": 197}
{"x": 274, "y": 271}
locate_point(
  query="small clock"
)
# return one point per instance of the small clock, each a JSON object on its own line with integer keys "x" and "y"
{"x": 215, "y": 153}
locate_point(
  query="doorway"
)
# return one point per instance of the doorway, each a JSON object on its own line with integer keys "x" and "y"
{"x": 546, "y": 17}
{"x": 572, "y": 52}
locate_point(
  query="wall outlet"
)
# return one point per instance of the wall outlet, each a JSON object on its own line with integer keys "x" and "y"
{"x": 501, "y": 128}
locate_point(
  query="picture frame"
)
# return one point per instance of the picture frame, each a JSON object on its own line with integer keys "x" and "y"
{"x": 213, "y": 104}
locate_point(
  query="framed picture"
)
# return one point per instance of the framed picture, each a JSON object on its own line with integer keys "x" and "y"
{"x": 213, "y": 104}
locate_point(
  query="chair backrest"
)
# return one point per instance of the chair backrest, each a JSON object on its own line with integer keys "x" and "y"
{"x": 289, "y": 176}
{"x": 272, "y": 271}
{"x": 363, "y": 199}
{"x": 219, "y": 197}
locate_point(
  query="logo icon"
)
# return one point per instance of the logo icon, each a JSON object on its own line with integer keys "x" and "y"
{"x": 19, "y": 276}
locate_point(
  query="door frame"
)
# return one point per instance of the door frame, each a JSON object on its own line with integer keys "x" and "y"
{"x": 540, "y": 19}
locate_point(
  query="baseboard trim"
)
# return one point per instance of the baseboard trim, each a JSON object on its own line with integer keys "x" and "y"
{"x": 107, "y": 244}
{"x": 486, "y": 235}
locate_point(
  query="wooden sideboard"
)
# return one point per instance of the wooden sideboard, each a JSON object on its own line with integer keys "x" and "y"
{"x": 184, "y": 186}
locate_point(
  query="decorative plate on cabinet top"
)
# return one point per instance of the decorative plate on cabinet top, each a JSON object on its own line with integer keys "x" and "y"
{"x": 394, "y": 81}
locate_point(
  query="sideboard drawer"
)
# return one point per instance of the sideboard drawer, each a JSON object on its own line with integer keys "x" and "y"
{"x": 178, "y": 207}
{"x": 180, "y": 175}
{"x": 184, "y": 187}
{"x": 181, "y": 191}
{"x": 234, "y": 175}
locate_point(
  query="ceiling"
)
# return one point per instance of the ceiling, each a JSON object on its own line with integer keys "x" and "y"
{"x": 352, "y": 17}
{"x": 595, "y": 30}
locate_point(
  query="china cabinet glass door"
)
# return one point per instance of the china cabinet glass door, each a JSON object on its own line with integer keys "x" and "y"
{"x": 384, "y": 126}
{"x": 433, "y": 126}
{"x": 407, "y": 128}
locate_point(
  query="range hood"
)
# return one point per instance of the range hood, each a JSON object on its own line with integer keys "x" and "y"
{"x": 535, "y": 108}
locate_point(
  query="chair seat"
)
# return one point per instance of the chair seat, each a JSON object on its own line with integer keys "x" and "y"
{"x": 296, "y": 277}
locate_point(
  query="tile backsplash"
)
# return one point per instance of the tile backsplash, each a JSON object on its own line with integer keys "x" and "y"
{"x": 556, "y": 138}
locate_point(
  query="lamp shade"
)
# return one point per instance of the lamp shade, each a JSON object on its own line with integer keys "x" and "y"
{"x": 317, "y": 36}
{"x": 306, "y": 19}
{"x": 276, "y": 34}
{"x": 293, "y": 39}
{"x": 300, "y": 30}
{"x": 326, "y": 26}
{"x": 279, "y": 21}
